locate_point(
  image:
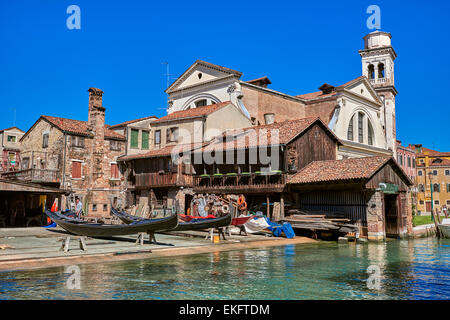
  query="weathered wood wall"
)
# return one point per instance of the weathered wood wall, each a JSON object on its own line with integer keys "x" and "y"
{"x": 387, "y": 175}
{"x": 313, "y": 145}
{"x": 351, "y": 203}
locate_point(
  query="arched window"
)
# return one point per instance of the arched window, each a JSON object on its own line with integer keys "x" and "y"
{"x": 360, "y": 127}
{"x": 200, "y": 103}
{"x": 371, "y": 71}
{"x": 350, "y": 130}
{"x": 370, "y": 134}
{"x": 381, "y": 70}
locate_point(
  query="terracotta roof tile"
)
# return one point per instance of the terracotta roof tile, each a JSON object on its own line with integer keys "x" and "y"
{"x": 79, "y": 127}
{"x": 271, "y": 134}
{"x": 163, "y": 152}
{"x": 339, "y": 170}
{"x": 321, "y": 95}
{"x": 194, "y": 112}
{"x": 430, "y": 152}
{"x": 10, "y": 128}
{"x": 130, "y": 122}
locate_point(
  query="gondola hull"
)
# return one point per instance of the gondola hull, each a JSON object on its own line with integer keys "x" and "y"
{"x": 182, "y": 226}
{"x": 104, "y": 230}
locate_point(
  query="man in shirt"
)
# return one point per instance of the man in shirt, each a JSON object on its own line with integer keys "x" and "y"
{"x": 78, "y": 207}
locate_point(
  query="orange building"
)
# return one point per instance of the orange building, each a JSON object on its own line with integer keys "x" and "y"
{"x": 433, "y": 174}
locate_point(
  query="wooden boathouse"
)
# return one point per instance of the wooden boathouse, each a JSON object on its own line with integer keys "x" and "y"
{"x": 372, "y": 192}
{"x": 22, "y": 203}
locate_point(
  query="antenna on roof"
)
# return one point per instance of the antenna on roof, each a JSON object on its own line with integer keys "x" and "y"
{"x": 167, "y": 74}
{"x": 14, "y": 121}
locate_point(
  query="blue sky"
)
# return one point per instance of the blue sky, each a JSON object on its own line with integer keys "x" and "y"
{"x": 45, "y": 68}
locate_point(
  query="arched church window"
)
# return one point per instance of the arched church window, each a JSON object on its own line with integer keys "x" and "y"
{"x": 371, "y": 71}
{"x": 200, "y": 103}
{"x": 360, "y": 127}
{"x": 381, "y": 70}
{"x": 350, "y": 130}
{"x": 370, "y": 134}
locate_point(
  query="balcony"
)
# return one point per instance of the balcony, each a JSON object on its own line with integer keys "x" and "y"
{"x": 33, "y": 175}
{"x": 258, "y": 182}
{"x": 166, "y": 179}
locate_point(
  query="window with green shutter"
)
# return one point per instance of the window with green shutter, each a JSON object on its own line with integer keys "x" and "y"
{"x": 134, "y": 138}
{"x": 145, "y": 137}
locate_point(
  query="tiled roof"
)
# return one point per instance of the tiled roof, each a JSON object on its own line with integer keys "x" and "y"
{"x": 339, "y": 170}
{"x": 321, "y": 95}
{"x": 260, "y": 81}
{"x": 1, "y": 131}
{"x": 130, "y": 122}
{"x": 435, "y": 163}
{"x": 193, "y": 112}
{"x": 431, "y": 153}
{"x": 163, "y": 152}
{"x": 79, "y": 127}
{"x": 271, "y": 134}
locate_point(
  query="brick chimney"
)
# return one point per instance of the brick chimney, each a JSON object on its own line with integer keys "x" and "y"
{"x": 96, "y": 126}
{"x": 96, "y": 117}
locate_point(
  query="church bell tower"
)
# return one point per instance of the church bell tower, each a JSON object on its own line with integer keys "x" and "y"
{"x": 378, "y": 66}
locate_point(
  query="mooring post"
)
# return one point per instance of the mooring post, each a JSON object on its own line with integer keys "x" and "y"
{"x": 65, "y": 244}
{"x": 140, "y": 238}
{"x": 151, "y": 237}
{"x": 83, "y": 243}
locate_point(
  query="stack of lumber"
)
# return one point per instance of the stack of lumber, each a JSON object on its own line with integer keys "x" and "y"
{"x": 321, "y": 222}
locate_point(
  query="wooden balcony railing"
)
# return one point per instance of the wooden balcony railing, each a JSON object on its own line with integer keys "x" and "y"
{"x": 33, "y": 175}
{"x": 166, "y": 179}
{"x": 264, "y": 182}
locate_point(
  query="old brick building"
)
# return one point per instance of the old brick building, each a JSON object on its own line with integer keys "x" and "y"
{"x": 77, "y": 156}
{"x": 10, "y": 149}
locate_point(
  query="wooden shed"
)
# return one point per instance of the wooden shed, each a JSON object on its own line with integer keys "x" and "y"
{"x": 373, "y": 192}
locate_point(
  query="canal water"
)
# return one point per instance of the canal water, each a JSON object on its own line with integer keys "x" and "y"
{"x": 397, "y": 269}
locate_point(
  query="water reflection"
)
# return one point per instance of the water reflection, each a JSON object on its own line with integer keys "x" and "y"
{"x": 408, "y": 269}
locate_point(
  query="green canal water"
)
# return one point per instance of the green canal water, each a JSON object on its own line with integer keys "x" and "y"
{"x": 414, "y": 269}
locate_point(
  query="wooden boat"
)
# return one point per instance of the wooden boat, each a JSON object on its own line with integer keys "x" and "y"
{"x": 193, "y": 224}
{"x": 84, "y": 228}
{"x": 444, "y": 227}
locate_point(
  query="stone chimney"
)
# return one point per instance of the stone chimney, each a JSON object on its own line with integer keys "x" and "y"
{"x": 96, "y": 126}
{"x": 96, "y": 117}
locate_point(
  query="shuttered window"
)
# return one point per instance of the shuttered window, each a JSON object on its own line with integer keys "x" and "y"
{"x": 114, "y": 171}
{"x": 145, "y": 137}
{"x": 76, "y": 169}
{"x": 134, "y": 138}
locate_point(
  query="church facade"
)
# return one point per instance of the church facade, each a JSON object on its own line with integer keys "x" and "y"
{"x": 360, "y": 112}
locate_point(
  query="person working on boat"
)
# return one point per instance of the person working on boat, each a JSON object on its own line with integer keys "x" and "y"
{"x": 78, "y": 207}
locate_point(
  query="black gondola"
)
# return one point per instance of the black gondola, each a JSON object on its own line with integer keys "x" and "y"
{"x": 84, "y": 228}
{"x": 197, "y": 224}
